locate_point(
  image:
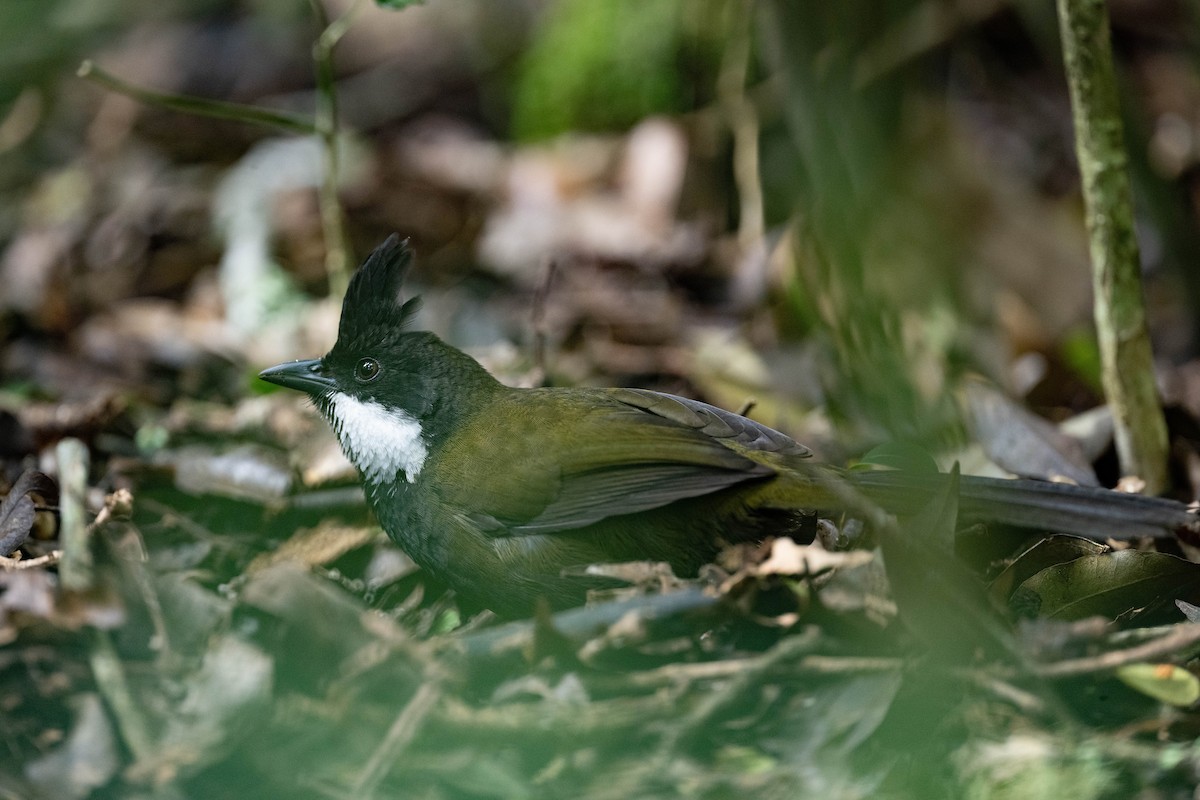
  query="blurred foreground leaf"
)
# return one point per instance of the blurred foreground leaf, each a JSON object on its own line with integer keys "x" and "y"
{"x": 927, "y": 579}
{"x": 900, "y": 455}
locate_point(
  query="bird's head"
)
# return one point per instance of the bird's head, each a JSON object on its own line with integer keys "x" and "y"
{"x": 388, "y": 392}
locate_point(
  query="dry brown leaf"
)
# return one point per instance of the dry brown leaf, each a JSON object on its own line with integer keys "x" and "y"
{"x": 316, "y": 546}
{"x": 789, "y": 558}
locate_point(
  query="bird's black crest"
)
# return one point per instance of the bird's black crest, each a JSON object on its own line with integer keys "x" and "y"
{"x": 373, "y": 297}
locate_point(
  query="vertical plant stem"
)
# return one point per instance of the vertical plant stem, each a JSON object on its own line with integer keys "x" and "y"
{"x": 1127, "y": 361}
{"x": 75, "y": 571}
{"x": 742, "y": 118}
{"x": 336, "y": 259}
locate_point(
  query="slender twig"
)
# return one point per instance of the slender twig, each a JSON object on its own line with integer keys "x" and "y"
{"x": 1127, "y": 362}
{"x": 826, "y": 665}
{"x": 1184, "y": 636}
{"x": 217, "y": 109}
{"x": 9, "y": 564}
{"x": 537, "y": 318}
{"x": 741, "y": 116}
{"x": 402, "y": 732}
{"x": 119, "y": 503}
{"x": 336, "y": 260}
{"x": 1027, "y": 702}
{"x": 715, "y": 670}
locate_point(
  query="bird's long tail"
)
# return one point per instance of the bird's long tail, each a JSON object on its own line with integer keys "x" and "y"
{"x": 1083, "y": 511}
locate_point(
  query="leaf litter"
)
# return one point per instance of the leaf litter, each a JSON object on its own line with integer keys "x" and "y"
{"x": 291, "y": 665}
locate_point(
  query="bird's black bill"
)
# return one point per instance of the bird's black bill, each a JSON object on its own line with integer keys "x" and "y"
{"x": 304, "y": 376}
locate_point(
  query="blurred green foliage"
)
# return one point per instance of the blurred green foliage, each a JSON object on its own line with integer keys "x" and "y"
{"x": 606, "y": 64}
{"x": 37, "y": 38}
{"x": 1081, "y": 353}
{"x": 873, "y": 258}
{"x": 43, "y": 41}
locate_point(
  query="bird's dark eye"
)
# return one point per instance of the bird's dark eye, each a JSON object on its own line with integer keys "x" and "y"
{"x": 366, "y": 370}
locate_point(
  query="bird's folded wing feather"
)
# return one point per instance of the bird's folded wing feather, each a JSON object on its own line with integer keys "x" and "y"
{"x": 622, "y": 458}
{"x": 711, "y": 421}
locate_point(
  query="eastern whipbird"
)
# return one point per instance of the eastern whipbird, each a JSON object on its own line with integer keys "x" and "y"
{"x": 506, "y": 494}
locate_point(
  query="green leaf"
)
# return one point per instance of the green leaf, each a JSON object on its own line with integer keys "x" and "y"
{"x": 398, "y": 4}
{"x": 1165, "y": 682}
{"x": 1053, "y": 550}
{"x": 1107, "y": 585}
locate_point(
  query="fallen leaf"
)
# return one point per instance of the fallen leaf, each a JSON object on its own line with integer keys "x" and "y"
{"x": 1166, "y": 682}
{"x": 1107, "y": 585}
{"x": 1020, "y": 441}
{"x": 1057, "y": 549}
{"x": 789, "y": 558}
{"x": 17, "y": 508}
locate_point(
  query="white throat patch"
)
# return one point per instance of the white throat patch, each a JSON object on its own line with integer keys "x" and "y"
{"x": 381, "y": 443}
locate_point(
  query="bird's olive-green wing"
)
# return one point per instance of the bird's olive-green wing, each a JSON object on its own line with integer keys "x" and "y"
{"x": 712, "y": 421}
{"x": 608, "y": 453}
